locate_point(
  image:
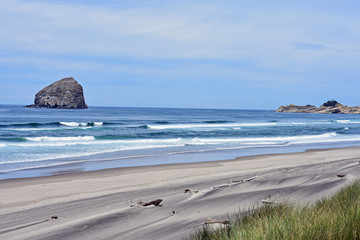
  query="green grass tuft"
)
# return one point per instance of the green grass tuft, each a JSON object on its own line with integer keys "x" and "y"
{"x": 335, "y": 218}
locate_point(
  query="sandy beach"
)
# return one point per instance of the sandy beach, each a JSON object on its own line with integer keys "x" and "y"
{"x": 104, "y": 204}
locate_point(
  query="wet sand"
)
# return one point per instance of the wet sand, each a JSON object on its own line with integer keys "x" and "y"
{"x": 104, "y": 204}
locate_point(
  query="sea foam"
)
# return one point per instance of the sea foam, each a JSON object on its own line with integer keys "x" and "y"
{"x": 347, "y": 121}
{"x": 81, "y": 124}
{"x": 225, "y": 125}
{"x": 343, "y": 121}
{"x": 62, "y": 139}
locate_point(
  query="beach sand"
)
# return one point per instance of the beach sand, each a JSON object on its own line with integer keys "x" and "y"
{"x": 103, "y": 204}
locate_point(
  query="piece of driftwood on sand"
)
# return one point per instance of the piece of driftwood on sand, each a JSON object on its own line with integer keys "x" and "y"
{"x": 154, "y": 202}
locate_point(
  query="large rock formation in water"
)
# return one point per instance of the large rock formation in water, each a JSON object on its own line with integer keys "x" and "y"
{"x": 328, "y": 107}
{"x": 65, "y": 93}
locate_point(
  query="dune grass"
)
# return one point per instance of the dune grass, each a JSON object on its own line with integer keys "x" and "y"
{"x": 335, "y": 218}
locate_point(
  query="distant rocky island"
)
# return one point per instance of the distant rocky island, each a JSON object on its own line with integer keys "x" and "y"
{"x": 330, "y": 106}
{"x": 66, "y": 93}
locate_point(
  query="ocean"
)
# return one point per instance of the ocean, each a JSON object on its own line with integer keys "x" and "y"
{"x": 39, "y": 142}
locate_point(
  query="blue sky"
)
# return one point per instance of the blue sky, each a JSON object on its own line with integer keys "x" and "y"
{"x": 202, "y": 54}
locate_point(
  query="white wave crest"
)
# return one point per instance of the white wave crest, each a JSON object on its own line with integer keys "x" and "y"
{"x": 175, "y": 142}
{"x": 299, "y": 123}
{"x": 82, "y": 124}
{"x": 91, "y": 145}
{"x": 70, "y": 124}
{"x": 225, "y": 125}
{"x": 303, "y": 139}
{"x": 347, "y": 121}
{"x": 343, "y": 121}
{"x": 62, "y": 139}
{"x": 2, "y": 145}
{"x": 110, "y": 145}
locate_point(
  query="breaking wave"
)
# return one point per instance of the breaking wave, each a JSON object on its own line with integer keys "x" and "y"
{"x": 347, "y": 121}
{"x": 123, "y": 141}
{"x": 62, "y": 139}
{"x": 213, "y": 125}
{"x": 83, "y": 124}
{"x": 53, "y": 124}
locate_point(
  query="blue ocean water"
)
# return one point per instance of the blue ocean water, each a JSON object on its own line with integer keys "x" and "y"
{"x": 48, "y": 141}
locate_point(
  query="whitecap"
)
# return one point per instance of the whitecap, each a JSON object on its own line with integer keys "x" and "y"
{"x": 225, "y": 125}
{"x": 81, "y": 124}
{"x": 70, "y": 124}
{"x": 343, "y": 121}
{"x": 326, "y": 137}
{"x": 63, "y": 139}
{"x": 347, "y": 121}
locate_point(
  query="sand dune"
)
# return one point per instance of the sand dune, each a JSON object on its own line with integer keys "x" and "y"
{"x": 103, "y": 204}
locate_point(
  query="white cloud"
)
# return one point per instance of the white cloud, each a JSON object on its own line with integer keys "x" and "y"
{"x": 269, "y": 39}
{"x": 181, "y": 30}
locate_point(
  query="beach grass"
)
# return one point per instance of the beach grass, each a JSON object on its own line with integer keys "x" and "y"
{"x": 337, "y": 217}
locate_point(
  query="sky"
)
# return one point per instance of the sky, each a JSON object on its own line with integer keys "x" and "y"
{"x": 233, "y": 54}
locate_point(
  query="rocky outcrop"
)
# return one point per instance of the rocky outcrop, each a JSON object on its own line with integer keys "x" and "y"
{"x": 296, "y": 109}
{"x": 65, "y": 93}
{"x": 328, "y": 107}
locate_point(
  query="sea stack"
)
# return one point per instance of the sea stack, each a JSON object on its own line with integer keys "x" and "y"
{"x": 66, "y": 93}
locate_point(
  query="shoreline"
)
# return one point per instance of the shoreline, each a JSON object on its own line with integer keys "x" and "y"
{"x": 135, "y": 169}
{"x": 94, "y": 198}
{"x": 99, "y": 162}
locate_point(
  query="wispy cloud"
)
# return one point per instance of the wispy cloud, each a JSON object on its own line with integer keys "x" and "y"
{"x": 238, "y": 42}
{"x": 183, "y": 29}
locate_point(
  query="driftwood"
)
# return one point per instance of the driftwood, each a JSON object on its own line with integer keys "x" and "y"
{"x": 267, "y": 201}
{"x": 249, "y": 179}
{"x": 244, "y": 180}
{"x": 221, "y": 186}
{"x": 212, "y": 221}
{"x": 191, "y": 191}
{"x": 154, "y": 202}
{"x": 340, "y": 175}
